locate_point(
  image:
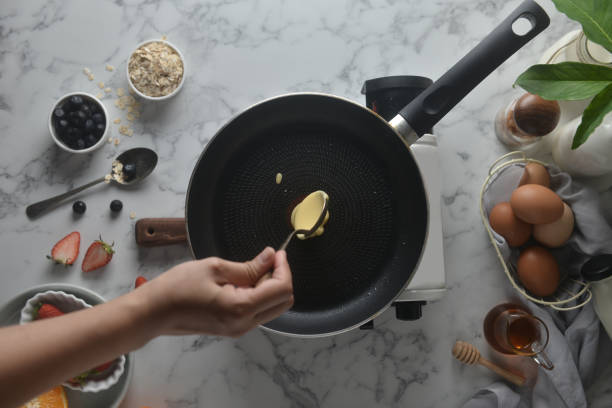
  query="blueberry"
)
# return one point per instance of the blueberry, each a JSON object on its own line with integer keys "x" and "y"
{"x": 94, "y": 107}
{"x": 80, "y": 143}
{"x": 91, "y": 140}
{"x": 61, "y": 124}
{"x": 116, "y": 205}
{"x": 100, "y": 129}
{"x": 59, "y": 113}
{"x": 79, "y": 207}
{"x": 98, "y": 118}
{"x": 75, "y": 119}
{"x": 71, "y": 134}
{"x": 82, "y": 115}
{"x": 89, "y": 124}
{"x": 76, "y": 100}
{"x": 85, "y": 109}
{"x": 129, "y": 171}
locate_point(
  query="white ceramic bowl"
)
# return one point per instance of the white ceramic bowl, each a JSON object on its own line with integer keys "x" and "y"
{"x": 69, "y": 303}
{"x": 90, "y": 148}
{"x": 156, "y": 98}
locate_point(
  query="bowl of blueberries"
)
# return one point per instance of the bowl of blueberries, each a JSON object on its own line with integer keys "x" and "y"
{"x": 78, "y": 122}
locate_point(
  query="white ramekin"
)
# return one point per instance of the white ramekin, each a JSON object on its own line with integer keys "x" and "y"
{"x": 69, "y": 303}
{"x": 61, "y": 144}
{"x": 156, "y": 98}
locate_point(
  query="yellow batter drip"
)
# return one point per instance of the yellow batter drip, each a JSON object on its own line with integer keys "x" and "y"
{"x": 306, "y": 213}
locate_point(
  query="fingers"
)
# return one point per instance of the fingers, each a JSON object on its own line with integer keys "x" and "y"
{"x": 245, "y": 273}
{"x": 277, "y": 289}
{"x": 274, "y": 312}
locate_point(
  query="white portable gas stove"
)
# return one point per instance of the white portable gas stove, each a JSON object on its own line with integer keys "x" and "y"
{"x": 429, "y": 281}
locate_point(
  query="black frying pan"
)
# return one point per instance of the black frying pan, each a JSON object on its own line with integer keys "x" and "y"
{"x": 374, "y": 239}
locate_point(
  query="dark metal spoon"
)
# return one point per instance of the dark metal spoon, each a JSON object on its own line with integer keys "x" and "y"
{"x": 144, "y": 160}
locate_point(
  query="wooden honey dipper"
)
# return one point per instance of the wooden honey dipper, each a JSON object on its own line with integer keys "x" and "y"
{"x": 469, "y": 354}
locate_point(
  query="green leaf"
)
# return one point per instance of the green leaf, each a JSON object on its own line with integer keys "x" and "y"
{"x": 599, "y": 107}
{"x": 565, "y": 81}
{"x": 595, "y": 16}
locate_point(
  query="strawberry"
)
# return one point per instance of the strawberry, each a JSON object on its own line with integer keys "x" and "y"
{"x": 103, "y": 367}
{"x": 66, "y": 251}
{"x": 98, "y": 255}
{"x": 45, "y": 310}
{"x": 141, "y": 280}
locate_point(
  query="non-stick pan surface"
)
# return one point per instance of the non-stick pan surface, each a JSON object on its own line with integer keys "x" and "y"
{"x": 378, "y": 209}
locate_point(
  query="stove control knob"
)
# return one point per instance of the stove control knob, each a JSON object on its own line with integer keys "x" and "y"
{"x": 409, "y": 310}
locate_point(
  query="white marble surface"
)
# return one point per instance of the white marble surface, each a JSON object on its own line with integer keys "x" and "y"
{"x": 239, "y": 52}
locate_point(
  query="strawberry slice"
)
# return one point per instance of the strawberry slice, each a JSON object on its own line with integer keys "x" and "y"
{"x": 98, "y": 255}
{"x": 103, "y": 367}
{"x": 141, "y": 280}
{"x": 66, "y": 251}
{"x": 47, "y": 310}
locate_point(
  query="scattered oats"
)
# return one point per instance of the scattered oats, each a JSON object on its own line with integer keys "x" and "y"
{"x": 117, "y": 121}
{"x": 101, "y": 85}
{"x": 109, "y": 67}
{"x": 116, "y": 141}
{"x": 117, "y": 173}
{"x": 99, "y": 95}
{"x": 108, "y": 90}
{"x": 123, "y": 129}
{"x": 155, "y": 69}
{"x": 117, "y": 102}
{"x": 130, "y": 117}
{"x": 164, "y": 37}
{"x": 120, "y": 92}
{"x": 110, "y": 140}
{"x": 132, "y": 215}
{"x": 130, "y": 109}
{"x": 279, "y": 178}
{"x": 130, "y": 132}
{"x": 136, "y": 114}
{"x": 108, "y": 178}
{"x": 130, "y": 100}
{"x": 90, "y": 77}
{"x": 86, "y": 71}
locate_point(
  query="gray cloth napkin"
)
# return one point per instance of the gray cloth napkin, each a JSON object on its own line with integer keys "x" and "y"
{"x": 578, "y": 346}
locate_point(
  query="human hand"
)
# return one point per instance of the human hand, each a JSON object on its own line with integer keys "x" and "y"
{"x": 215, "y": 296}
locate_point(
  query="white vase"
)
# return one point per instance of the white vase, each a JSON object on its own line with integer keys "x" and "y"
{"x": 593, "y": 158}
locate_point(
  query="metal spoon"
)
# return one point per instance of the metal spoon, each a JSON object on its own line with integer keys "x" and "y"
{"x": 144, "y": 159}
{"x": 311, "y": 231}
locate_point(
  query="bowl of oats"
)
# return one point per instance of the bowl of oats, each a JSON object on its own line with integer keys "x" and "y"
{"x": 156, "y": 70}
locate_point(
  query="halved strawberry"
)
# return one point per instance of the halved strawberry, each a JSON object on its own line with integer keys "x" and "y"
{"x": 98, "y": 255}
{"x": 47, "y": 310}
{"x": 66, "y": 251}
{"x": 103, "y": 367}
{"x": 141, "y": 280}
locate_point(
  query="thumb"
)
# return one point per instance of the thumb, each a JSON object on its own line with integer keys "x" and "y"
{"x": 249, "y": 272}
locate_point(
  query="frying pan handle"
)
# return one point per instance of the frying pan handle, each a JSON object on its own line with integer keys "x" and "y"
{"x": 160, "y": 231}
{"x": 436, "y": 100}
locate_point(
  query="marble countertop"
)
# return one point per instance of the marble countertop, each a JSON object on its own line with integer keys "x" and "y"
{"x": 239, "y": 52}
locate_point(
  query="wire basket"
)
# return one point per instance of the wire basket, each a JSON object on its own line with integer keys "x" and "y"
{"x": 572, "y": 293}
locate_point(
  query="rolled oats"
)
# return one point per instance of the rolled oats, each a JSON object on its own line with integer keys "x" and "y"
{"x": 155, "y": 69}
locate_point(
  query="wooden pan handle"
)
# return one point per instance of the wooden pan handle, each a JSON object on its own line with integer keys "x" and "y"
{"x": 160, "y": 231}
{"x": 510, "y": 376}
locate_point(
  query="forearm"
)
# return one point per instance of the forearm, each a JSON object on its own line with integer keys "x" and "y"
{"x": 37, "y": 356}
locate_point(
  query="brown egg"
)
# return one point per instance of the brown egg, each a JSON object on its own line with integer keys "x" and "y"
{"x": 535, "y": 173}
{"x": 536, "y": 204}
{"x": 504, "y": 222}
{"x": 558, "y": 232}
{"x": 538, "y": 271}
